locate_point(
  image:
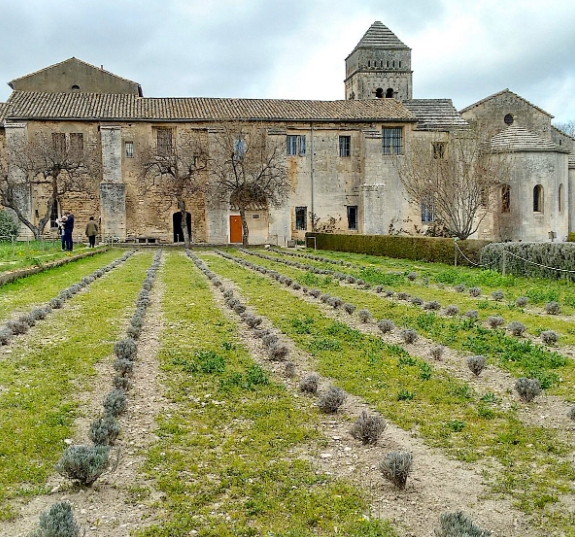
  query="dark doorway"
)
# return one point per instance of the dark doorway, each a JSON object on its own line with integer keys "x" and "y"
{"x": 178, "y": 231}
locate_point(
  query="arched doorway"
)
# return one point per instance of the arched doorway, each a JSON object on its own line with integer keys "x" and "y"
{"x": 178, "y": 230}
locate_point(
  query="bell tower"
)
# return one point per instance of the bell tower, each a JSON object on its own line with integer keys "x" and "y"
{"x": 379, "y": 67}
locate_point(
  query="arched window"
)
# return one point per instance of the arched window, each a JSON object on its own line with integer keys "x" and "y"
{"x": 508, "y": 119}
{"x": 560, "y": 198}
{"x": 379, "y": 93}
{"x": 505, "y": 199}
{"x": 75, "y": 88}
{"x": 389, "y": 93}
{"x": 538, "y": 199}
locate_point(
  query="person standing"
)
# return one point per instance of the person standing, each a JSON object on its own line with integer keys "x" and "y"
{"x": 91, "y": 232}
{"x": 60, "y": 222}
{"x": 68, "y": 229}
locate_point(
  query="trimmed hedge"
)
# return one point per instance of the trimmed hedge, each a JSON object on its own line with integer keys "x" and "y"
{"x": 560, "y": 255}
{"x": 431, "y": 249}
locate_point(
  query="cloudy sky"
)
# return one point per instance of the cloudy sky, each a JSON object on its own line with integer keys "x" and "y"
{"x": 295, "y": 49}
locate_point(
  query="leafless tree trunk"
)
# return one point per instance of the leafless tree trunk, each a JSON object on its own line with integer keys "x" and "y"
{"x": 247, "y": 170}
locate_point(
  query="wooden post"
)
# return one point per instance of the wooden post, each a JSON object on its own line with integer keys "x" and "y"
{"x": 503, "y": 262}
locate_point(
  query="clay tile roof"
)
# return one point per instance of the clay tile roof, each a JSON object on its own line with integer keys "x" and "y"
{"x": 501, "y": 93}
{"x": 380, "y": 36}
{"x": 114, "y": 107}
{"x": 519, "y": 139}
{"x": 571, "y": 160}
{"x": 3, "y": 111}
{"x": 435, "y": 114}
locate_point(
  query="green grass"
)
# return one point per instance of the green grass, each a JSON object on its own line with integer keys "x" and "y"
{"x": 227, "y": 457}
{"x": 521, "y": 357}
{"x": 22, "y": 254}
{"x": 22, "y": 294}
{"x": 445, "y": 411}
{"x": 43, "y": 375}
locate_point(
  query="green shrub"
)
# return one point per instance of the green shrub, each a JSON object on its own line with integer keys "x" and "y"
{"x": 84, "y": 464}
{"x": 58, "y": 521}
{"x": 8, "y": 226}
{"x": 104, "y": 430}
{"x": 458, "y": 525}
{"x": 527, "y": 389}
{"x": 396, "y": 467}
{"x": 432, "y": 249}
{"x": 115, "y": 402}
{"x": 126, "y": 349}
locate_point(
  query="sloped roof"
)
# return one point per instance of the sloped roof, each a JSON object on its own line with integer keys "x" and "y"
{"x": 3, "y": 111}
{"x": 73, "y": 60}
{"x": 571, "y": 160}
{"x": 380, "y": 36}
{"x": 502, "y": 92}
{"x": 111, "y": 107}
{"x": 520, "y": 139}
{"x": 435, "y": 114}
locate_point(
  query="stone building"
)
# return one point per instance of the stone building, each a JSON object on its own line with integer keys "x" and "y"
{"x": 342, "y": 157}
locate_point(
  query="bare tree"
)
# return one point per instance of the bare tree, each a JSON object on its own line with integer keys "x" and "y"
{"x": 56, "y": 166}
{"x": 567, "y": 127}
{"x": 177, "y": 170}
{"x": 453, "y": 177}
{"x": 248, "y": 170}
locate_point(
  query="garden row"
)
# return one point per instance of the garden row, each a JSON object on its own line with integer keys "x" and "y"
{"x": 520, "y": 356}
{"x": 84, "y": 464}
{"x": 447, "y": 412}
{"x": 43, "y": 373}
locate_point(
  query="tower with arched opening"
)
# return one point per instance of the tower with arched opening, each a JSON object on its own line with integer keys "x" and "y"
{"x": 379, "y": 67}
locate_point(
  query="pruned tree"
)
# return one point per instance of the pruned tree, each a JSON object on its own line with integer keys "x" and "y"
{"x": 567, "y": 127}
{"x": 247, "y": 169}
{"x": 453, "y": 177}
{"x": 176, "y": 169}
{"x": 56, "y": 165}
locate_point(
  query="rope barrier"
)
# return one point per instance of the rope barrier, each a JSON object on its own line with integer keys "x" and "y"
{"x": 467, "y": 259}
{"x": 539, "y": 264}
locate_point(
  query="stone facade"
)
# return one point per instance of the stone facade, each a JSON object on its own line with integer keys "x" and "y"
{"x": 342, "y": 157}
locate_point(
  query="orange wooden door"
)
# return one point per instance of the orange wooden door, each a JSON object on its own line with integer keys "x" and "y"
{"x": 236, "y": 229}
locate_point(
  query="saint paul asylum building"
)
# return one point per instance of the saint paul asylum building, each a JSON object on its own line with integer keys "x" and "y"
{"x": 341, "y": 157}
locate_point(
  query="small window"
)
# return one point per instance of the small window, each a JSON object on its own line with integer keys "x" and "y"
{"x": 59, "y": 142}
{"x": 369, "y": 63}
{"x": 295, "y": 145}
{"x": 75, "y": 88}
{"x": 344, "y": 146}
{"x": 129, "y": 147}
{"x": 538, "y": 199}
{"x": 508, "y": 119}
{"x": 239, "y": 148}
{"x": 389, "y": 93}
{"x": 427, "y": 215}
{"x": 439, "y": 150}
{"x": 505, "y": 199}
{"x": 352, "y": 217}
{"x": 560, "y": 198}
{"x": 301, "y": 218}
{"x": 400, "y": 64}
{"x": 77, "y": 145}
{"x": 392, "y": 140}
{"x": 164, "y": 141}
{"x": 379, "y": 93}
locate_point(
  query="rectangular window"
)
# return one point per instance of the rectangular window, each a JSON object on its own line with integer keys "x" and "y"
{"x": 77, "y": 145}
{"x": 505, "y": 199}
{"x": 392, "y": 140}
{"x": 352, "y": 217}
{"x": 301, "y": 218}
{"x": 164, "y": 142}
{"x": 129, "y": 147}
{"x": 295, "y": 145}
{"x": 344, "y": 146}
{"x": 59, "y": 142}
{"x": 427, "y": 216}
{"x": 439, "y": 150}
{"x": 239, "y": 148}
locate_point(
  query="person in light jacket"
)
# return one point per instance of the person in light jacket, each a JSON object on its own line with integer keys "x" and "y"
{"x": 91, "y": 232}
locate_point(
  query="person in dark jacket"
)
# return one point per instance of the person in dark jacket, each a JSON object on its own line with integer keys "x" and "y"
{"x": 68, "y": 229}
{"x": 91, "y": 232}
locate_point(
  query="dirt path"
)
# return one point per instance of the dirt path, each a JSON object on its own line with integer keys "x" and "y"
{"x": 112, "y": 507}
{"x": 437, "y": 484}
